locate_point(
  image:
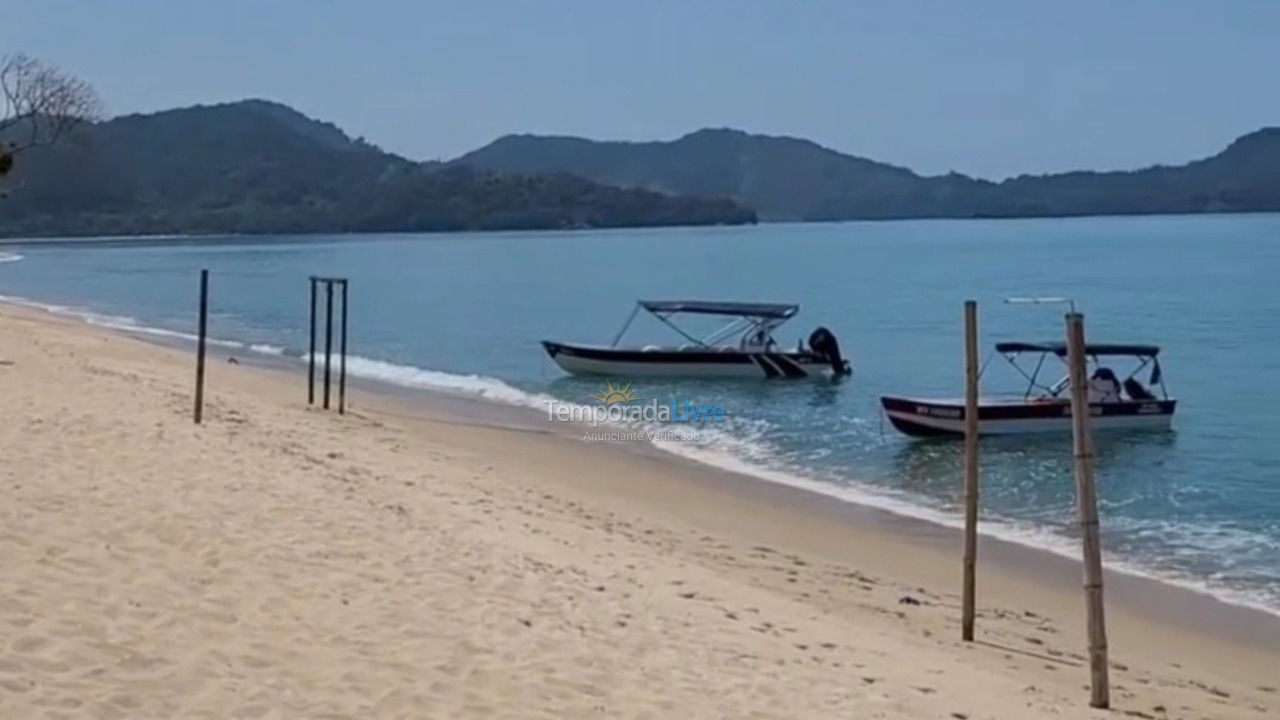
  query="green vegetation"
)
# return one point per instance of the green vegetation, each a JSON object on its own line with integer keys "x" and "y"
{"x": 786, "y": 178}
{"x": 260, "y": 167}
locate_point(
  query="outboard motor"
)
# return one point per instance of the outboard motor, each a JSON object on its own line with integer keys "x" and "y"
{"x": 823, "y": 344}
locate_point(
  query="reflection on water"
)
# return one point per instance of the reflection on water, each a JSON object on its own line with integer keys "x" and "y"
{"x": 1033, "y": 475}
{"x": 824, "y": 395}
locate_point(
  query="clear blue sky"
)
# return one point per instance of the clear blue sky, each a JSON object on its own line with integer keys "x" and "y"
{"x": 982, "y": 87}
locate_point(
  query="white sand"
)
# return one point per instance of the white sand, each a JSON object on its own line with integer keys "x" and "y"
{"x": 279, "y": 562}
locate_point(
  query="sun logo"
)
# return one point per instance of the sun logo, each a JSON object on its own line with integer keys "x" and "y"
{"x": 615, "y": 394}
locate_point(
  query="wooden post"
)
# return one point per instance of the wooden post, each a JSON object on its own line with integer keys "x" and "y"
{"x": 1087, "y": 503}
{"x": 200, "y": 344}
{"x": 342, "y": 368}
{"x": 328, "y": 336}
{"x": 311, "y": 357}
{"x": 970, "y": 467}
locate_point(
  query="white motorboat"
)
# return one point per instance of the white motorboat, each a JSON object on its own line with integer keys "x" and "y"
{"x": 1113, "y": 404}
{"x": 743, "y": 348}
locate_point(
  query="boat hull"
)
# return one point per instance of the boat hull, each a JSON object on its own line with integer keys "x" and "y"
{"x": 731, "y": 363}
{"x": 933, "y": 418}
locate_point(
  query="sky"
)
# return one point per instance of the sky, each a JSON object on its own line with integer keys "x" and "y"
{"x": 983, "y": 87}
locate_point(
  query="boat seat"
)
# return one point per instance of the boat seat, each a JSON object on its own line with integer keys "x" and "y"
{"x": 1136, "y": 391}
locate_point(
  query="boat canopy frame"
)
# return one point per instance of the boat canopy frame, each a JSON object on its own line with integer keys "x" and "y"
{"x": 1146, "y": 355}
{"x": 753, "y": 322}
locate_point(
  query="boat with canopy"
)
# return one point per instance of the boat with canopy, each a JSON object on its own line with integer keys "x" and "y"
{"x": 1113, "y": 403}
{"x": 744, "y": 347}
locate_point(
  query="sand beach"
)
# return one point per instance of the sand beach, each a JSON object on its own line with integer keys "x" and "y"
{"x": 403, "y": 562}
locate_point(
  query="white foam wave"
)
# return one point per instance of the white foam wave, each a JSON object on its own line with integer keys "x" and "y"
{"x": 267, "y": 349}
{"x": 129, "y": 324}
{"x": 477, "y": 386}
{"x": 6, "y": 257}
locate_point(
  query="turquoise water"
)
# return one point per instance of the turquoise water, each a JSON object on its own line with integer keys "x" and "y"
{"x": 464, "y": 313}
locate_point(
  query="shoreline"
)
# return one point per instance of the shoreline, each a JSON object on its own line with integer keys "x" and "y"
{"x": 1184, "y": 601}
{"x": 463, "y": 545}
{"x": 1189, "y": 597}
{"x": 258, "y": 237}
{"x": 1130, "y": 592}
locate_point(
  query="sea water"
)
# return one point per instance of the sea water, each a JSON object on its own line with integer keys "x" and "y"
{"x": 464, "y": 313}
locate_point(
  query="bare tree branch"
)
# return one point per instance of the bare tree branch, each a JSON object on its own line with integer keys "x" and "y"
{"x": 41, "y": 104}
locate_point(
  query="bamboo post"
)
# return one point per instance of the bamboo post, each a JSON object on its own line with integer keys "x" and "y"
{"x": 200, "y": 345}
{"x": 970, "y": 467}
{"x": 342, "y": 368}
{"x": 328, "y": 337}
{"x": 311, "y": 357}
{"x": 1100, "y": 696}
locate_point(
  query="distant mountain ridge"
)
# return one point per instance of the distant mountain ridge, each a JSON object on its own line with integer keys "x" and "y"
{"x": 785, "y": 178}
{"x": 256, "y": 166}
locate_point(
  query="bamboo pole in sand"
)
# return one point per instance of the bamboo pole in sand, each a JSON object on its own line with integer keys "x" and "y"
{"x": 1100, "y": 696}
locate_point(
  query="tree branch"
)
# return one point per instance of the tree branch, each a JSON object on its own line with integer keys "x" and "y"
{"x": 41, "y": 104}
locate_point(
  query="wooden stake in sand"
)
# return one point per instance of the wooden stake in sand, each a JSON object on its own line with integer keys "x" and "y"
{"x": 970, "y": 466}
{"x": 328, "y": 337}
{"x": 342, "y": 371}
{"x": 311, "y": 356}
{"x": 204, "y": 324}
{"x": 329, "y": 283}
{"x": 1088, "y": 509}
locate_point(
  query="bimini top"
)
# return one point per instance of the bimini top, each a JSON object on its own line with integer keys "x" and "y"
{"x": 1060, "y": 348}
{"x": 699, "y": 307}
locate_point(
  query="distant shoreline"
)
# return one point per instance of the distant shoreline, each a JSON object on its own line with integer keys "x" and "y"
{"x": 242, "y": 237}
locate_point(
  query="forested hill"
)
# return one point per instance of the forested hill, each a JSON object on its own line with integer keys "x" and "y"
{"x": 258, "y": 167}
{"x": 785, "y": 178}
